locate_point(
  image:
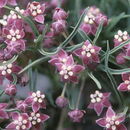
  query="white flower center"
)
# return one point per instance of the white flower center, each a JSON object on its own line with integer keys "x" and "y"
{"x": 121, "y": 36}
{"x": 89, "y": 19}
{"x": 87, "y": 50}
{"x": 112, "y": 123}
{"x": 6, "y": 69}
{"x": 38, "y": 97}
{"x": 20, "y": 123}
{"x": 35, "y": 118}
{"x": 96, "y": 97}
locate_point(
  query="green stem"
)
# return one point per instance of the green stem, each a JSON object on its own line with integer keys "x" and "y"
{"x": 64, "y": 89}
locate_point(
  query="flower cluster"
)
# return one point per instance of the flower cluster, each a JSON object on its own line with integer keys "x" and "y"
{"x": 93, "y": 18}
{"x": 66, "y": 66}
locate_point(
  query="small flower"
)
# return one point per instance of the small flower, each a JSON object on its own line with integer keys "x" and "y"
{"x": 3, "y": 113}
{"x": 36, "y": 10}
{"x": 60, "y": 14}
{"x": 36, "y": 99}
{"x": 37, "y": 118}
{"x": 20, "y": 122}
{"x": 59, "y": 26}
{"x": 112, "y": 121}
{"x": 61, "y": 57}
{"x": 88, "y": 53}
{"x": 69, "y": 70}
{"x": 121, "y": 37}
{"x": 7, "y": 70}
{"x": 10, "y": 89}
{"x": 22, "y": 105}
{"x": 61, "y": 102}
{"x": 125, "y": 86}
{"x": 99, "y": 101}
{"x": 76, "y": 115}
{"x": 10, "y": 2}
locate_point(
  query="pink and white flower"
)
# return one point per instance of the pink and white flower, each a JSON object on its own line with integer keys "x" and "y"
{"x": 69, "y": 70}
{"x": 36, "y": 118}
{"x": 88, "y": 53}
{"x": 112, "y": 121}
{"x": 36, "y": 100}
{"x": 99, "y": 101}
{"x": 36, "y": 10}
{"x": 20, "y": 122}
{"x": 125, "y": 86}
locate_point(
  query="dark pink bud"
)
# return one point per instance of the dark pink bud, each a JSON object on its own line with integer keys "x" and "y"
{"x": 76, "y": 115}
{"x": 61, "y": 102}
{"x": 10, "y": 89}
{"x": 59, "y": 26}
{"x": 60, "y": 14}
{"x": 120, "y": 58}
{"x": 24, "y": 79}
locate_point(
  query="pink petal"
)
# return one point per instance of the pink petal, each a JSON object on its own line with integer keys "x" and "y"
{"x": 35, "y": 106}
{"x": 110, "y": 112}
{"x": 91, "y": 106}
{"x": 24, "y": 115}
{"x": 11, "y": 126}
{"x": 101, "y": 122}
{"x": 74, "y": 78}
{"x": 3, "y": 3}
{"x": 106, "y": 102}
{"x": 53, "y": 61}
{"x": 3, "y": 114}
{"x": 70, "y": 60}
{"x": 78, "y": 68}
{"x": 62, "y": 53}
{"x": 121, "y": 117}
{"x": 43, "y": 105}
{"x": 123, "y": 87}
{"x": 44, "y": 117}
{"x": 97, "y": 49}
{"x": 98, "y": 107}
{"x": 87, "y": 60}
{"x": 15, "y": 115}
{"x": 121, "y": 127}
{"x": 29, "y": 100}
{"x": 39, "y": 19}
{"x": 125, "y": 76}
{"x": 12, "y": 2}
{"x": 78, "y": 52}
{"x": 3, "y": 105}
{"x": 95, "y": 58}
{"x": 106, "y": 94}
{"x": 87, "y": 42}
{"x": 59, "y": 66}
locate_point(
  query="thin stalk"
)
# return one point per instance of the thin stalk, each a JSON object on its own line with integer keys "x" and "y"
{"x": 64, "y": 89}
{"x": 80, "y": 92}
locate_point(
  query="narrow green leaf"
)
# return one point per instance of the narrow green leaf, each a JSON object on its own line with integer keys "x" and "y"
{"x": 119, "y": 47}
{"x": 119, "y": 72}
{"x": 75, "y": 30}
{"x": 95, "y": 80}
{"x": 99, "y": 29}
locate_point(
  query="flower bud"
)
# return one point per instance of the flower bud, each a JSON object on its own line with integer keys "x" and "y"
{"x": 120, "y": 58}
{"x": 76, "y": 115}
{"x": 61, "y": 102}
{"x": 24, "y": 79}
{"x": 59, "y": 26}
{"x": 10, "y": 89}
{"x": 54, "y": 3}
{"x": 59, "y": 14}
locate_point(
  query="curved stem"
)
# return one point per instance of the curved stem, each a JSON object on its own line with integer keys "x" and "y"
{"x": 80, "y": 92}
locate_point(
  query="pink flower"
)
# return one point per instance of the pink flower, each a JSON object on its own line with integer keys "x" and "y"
{"x": 112, "y": 121}
{"x": 10, "y": 2}
{"x": 22, "y": 105}
{"x": 7, "y": 70}
{"x": 36, "y": 100}
{"x": 121, "y": 37}
{"x": 54, "y": 3}
{"x": 3, "y": 113}
{"x": 60, "y": 57}
{"x": 125, "y": 86}
{"x": 10, "y": 89}
{"x": 37, "y": 118}
{"x": 59, "y": 26}
{"x": 36, "y": 10}
{"x": 88, "y": 53}
{"x": 60, "y": 14}
{"x": 76, "y": 115}
{"x": 69, "y": 70}
{"x": 99, "y": 101}
{"x": 20, "y": 122}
